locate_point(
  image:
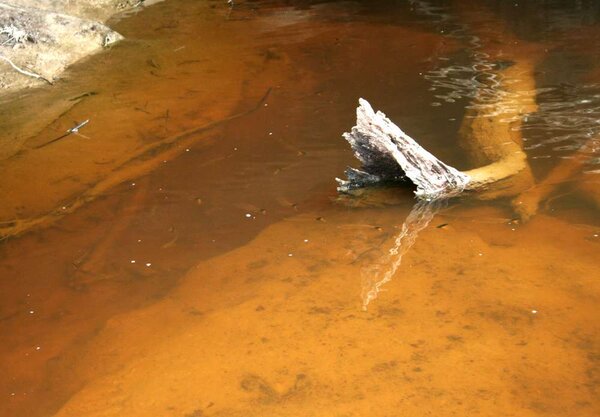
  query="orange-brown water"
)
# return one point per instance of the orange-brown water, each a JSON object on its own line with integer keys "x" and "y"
{"x": 229, "y": 279}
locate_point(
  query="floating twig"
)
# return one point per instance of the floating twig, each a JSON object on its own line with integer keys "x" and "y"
{"x": 79, "y": 126}
{"x": 73, "y": 130}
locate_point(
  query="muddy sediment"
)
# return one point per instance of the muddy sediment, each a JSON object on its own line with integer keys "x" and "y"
{"x": 275, "y": 328}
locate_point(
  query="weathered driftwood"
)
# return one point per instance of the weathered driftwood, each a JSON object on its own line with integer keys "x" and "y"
{"x": 388, "y": 154}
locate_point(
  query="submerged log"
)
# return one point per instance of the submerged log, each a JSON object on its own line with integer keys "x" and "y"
{"x": 568, "y": 169}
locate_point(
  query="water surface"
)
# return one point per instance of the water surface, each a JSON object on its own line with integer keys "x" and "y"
{"x": 221, "y": 273}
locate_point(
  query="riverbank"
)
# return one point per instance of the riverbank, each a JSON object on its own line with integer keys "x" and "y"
{"x": 39, "y": 39}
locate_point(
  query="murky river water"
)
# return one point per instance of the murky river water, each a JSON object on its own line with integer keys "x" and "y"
{"x": 218, "y": 273}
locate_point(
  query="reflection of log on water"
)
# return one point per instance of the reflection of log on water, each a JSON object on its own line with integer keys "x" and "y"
{"x": 378, "y": 273}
